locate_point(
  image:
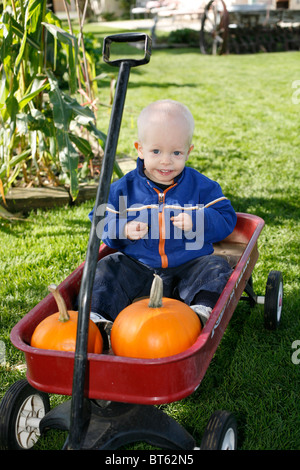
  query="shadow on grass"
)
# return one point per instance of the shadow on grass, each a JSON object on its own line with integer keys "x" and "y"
{"x": 7, "y": 227}
{"x": 162, "y": 85}
{"x": 274, "y": 210}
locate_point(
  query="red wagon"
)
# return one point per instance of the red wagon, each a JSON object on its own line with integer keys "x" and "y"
{"x": 113, "y": 383}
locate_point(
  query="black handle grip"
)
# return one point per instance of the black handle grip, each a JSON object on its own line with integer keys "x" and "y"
{"x": 127, "y": 37}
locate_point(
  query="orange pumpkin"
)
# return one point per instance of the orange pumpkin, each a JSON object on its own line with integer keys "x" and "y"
{"x": 58, "y": 331}
{"x": 155, "y": 329}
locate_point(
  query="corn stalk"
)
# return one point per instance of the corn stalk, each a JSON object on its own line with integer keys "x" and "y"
{"x": 41, "y": 125}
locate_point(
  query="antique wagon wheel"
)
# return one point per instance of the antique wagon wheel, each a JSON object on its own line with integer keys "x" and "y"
{"x": 214, "y": 28}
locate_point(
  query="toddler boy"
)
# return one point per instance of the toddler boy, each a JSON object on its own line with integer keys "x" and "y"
{"x": 163, "y": 217}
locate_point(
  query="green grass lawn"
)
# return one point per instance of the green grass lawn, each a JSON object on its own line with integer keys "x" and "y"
{"x": 247, "y": 137}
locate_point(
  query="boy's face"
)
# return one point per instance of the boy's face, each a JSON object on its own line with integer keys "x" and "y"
{"x": 164, "y": 147}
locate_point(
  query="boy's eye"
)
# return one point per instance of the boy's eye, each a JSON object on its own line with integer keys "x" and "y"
{"x": 155, "y": 151}
{"x": 177, "y": 153}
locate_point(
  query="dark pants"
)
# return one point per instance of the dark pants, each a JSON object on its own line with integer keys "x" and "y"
{"x": 120, "y": 279}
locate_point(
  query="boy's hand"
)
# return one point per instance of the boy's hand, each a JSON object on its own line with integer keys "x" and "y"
{"x": 183, "y": 221}
{"x": 135, "y": 230}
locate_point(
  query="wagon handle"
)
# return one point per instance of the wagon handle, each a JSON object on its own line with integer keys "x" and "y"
{"x": 127, "y": 37}
{"x": 87, "y": 281}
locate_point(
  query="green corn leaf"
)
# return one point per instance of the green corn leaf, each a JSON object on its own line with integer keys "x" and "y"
{"x": 82, "y": 144}
{"x": 99, "y": 135}
{"x": 69, "y": 160}
{"x": 4, "y": 88}
{"x": 68, "y": 155}
{"x": 27, "y": 98}
{"x": 33, "y": 12}
{"x": 81, "y": 114}
{"x": 21, "y": 52}
{"x": 18, "y": 30}
{"x": 33, "y": 7}
{"x": 70, "y": 41}
{"x": 14, "y": 161}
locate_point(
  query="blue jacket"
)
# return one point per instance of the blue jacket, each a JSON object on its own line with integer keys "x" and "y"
{"x": 136, "y": 197}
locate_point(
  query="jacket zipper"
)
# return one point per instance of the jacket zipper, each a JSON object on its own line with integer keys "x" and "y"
{"x": 161, "y": 224}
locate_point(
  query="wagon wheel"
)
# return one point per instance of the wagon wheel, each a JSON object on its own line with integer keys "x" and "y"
{"x": 21, "y": 411}
{"x": 214, "y": 28}
{"x": 273, "y": 300}
{"x": 220, "y": 432}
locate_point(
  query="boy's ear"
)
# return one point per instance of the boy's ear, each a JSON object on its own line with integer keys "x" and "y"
{"x": 189, "y": 151}
{"x": 139, "y": 149}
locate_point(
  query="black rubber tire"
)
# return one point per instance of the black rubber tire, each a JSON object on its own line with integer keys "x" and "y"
{"x": 10, "y": 408}
{"x": 273, "y": 300}
{"x": 220, "y": 432}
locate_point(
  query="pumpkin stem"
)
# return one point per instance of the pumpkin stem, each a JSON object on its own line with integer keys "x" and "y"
{"x": 62, "y": 308}
{"x": 156, "y": 292}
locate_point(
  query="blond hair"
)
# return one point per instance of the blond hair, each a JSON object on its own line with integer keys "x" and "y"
{"x": 162, "y": 109}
